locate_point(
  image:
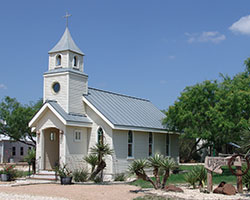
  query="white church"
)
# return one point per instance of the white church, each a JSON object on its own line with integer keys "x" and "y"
{"x": 74, "y": 117}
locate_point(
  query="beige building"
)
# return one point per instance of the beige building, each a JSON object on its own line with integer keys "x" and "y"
{"x": 74, "y": 117}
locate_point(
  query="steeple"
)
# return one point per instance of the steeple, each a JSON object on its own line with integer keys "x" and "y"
{"x": 66, "y": 43}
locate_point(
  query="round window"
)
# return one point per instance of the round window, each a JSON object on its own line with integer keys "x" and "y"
{"x": 56, "y": 87}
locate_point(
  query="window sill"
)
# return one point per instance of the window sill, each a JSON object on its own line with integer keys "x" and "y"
{"x": 130, "y": 158}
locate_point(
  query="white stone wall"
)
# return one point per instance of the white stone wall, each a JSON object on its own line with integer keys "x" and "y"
{"x": 78, "y": 85}
{"x": 63, "y": 95}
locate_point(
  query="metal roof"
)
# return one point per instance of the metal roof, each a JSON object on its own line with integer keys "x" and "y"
{"x": 66, "y": 43}
{"x": 122, "y": 110}
{"x": 69, "y": 117}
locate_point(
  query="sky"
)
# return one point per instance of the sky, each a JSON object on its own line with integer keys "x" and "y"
{"x": 150, "y": 49}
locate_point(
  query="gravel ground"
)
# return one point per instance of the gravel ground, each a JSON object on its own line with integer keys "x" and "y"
{"x": 72, "y": 192}
{"x": 195, "y": 194}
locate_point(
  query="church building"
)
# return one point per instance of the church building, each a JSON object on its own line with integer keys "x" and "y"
{"x": 74, "y": 117}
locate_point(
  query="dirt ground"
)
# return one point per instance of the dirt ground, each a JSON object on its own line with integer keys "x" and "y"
{"x": 76, "y": 192}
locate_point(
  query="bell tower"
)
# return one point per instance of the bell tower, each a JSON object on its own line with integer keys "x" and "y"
{"x": 65, "y": 80}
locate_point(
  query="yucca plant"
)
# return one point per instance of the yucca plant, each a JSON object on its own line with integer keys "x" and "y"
{"x": 137, "y": 167}
{"x": 91, "y": 159}
{"x": 155, "y": 163}
{"x": 167, "y": 164}
{"x": 100, "y": 150}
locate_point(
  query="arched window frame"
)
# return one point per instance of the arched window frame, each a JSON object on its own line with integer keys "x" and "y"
{"x": 100, "y": 138}
{"x": 58, "y": 60}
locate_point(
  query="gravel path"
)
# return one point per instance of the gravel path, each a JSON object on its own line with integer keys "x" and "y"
{"x": 71, "y": 192}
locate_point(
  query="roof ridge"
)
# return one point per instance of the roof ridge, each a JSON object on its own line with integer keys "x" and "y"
{"x": 118, "y": 94}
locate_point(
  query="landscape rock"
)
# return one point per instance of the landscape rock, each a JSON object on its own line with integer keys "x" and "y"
{"x": 218, "y": 190}
{"x": 229, "y": 189}
{"x": 224, "y": 188}
{"x": 172, "y": 188}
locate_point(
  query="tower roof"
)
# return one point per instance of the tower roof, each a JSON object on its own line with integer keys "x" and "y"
{"x": 66, "y": 43}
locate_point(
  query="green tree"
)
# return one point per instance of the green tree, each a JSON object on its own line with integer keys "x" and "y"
{"x": 213, "y": 111}
{"x": 194, "y": 112}
{"x": 15, "y": 118}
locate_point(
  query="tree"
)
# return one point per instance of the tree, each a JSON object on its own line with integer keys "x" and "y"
{"x": 213, "y": 111}
{"x": 15, "y": 118}
{"x": 193, "y": 113}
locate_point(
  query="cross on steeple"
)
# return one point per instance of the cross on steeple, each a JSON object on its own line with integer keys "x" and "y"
{"x": 67, "y": 16}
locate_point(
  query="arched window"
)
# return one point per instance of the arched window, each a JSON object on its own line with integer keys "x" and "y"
{"x": 100, "y": 136}
{"x": 75, "y": 61}
{"x": 58, "y": 60}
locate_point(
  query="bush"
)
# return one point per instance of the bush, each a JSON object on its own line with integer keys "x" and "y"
{"x": 246, "y": 178}
{"x": 98, "y": 179}
{"x": 197, "y": 174}
{"x": 80, "y": 175}
{"x": 120, "y": 177}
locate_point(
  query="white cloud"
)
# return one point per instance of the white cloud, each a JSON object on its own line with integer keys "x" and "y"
{"x": 241, "y": 26}
{"x": 2, "y": 86}
{"x": 171, "y": 57}
{"x": 210, "y": 36}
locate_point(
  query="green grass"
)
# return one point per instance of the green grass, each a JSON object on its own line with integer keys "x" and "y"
{"x": 179, "y": 178}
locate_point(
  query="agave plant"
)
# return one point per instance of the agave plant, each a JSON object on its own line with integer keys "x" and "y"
{"x": 200, "y": 174}
{"x": 167, "y": 164}
{"x": 91, "y": 159}
{"x": 190, "y": 177}
{"x": 137, "y": 167}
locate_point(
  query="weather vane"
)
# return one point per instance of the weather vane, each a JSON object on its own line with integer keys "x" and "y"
{"x": 67, "y": 16}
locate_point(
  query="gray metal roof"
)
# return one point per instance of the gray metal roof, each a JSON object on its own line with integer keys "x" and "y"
{"x": 68, "y": 117}
{"x": 122, "y": 110}
{"x": 66, "y": 43}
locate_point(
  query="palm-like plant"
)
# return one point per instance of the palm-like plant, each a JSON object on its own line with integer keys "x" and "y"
{"x": 100, "y": 150}
{"x": 137, "y": 167}
{"x": 155, "y": 162}
{"x": 167, "y": 164}
{"x": 91, "y": 159}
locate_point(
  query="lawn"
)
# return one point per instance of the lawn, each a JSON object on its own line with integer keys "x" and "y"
{"x": 179, "y": 178}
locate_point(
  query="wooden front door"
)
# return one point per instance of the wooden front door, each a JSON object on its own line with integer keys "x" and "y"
{"x": 51, "y": 148}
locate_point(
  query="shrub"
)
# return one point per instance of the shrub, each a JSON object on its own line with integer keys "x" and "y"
{"x": 197, "y": 174}
{"x": 80, "y": 175}
{"x": 190, "y": 178}
{"x": 120, "y": 177}
{"x": 98, "y": 179}
{"x": 63, "y": 171}
{"x": 246, "y": 178}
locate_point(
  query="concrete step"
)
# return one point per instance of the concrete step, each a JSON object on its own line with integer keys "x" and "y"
{"x": 43, "y": 176}
{"x": 47, "y": 172}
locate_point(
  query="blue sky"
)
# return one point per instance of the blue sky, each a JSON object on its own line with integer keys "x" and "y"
{"x": 148, "y": 49}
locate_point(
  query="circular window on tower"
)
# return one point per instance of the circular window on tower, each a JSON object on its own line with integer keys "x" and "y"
{"x": 56, "y": 87}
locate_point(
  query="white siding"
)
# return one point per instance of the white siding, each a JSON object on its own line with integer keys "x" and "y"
{"x": 77, "y": 87}
{"x": 76, "y": 150}
{"x": 64, "y": 60}
{"x": 62, "y": 96}
{"x": 92, "y": 136}
{"x": 160, "y": 143}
